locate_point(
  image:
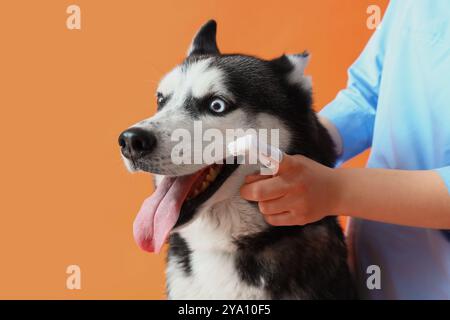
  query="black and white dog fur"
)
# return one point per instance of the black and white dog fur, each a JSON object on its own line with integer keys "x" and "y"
{"x": 221, "y": 247}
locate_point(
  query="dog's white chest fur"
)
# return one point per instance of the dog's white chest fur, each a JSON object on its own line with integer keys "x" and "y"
{"x": 213, "y": 277}
{"x": 212, "y": 258}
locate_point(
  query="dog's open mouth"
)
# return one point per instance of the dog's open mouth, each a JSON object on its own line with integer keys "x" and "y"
{"x": 174, "y": 202}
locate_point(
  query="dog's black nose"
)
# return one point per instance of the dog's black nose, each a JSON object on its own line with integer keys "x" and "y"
{"x": 136, "y": 142}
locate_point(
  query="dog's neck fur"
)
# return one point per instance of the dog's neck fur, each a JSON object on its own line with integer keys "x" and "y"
{"x": 217, "y": 227}
{"x": 207, "y": 268}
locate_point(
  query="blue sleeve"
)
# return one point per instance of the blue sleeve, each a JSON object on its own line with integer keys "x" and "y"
{"x": 444, "y": 173}
{"x": 353, "y": 110}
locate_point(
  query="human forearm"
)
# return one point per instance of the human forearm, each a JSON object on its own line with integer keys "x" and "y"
{"x": 304, "y": 191}
{"x": 413, "y": 198}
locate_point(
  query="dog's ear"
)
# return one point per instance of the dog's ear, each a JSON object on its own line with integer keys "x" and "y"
{"x": 287, "y": 63}
{"x": 293, "y": 67}
{"x": 204, "y": 41}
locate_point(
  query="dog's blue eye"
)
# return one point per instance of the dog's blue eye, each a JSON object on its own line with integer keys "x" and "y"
{"x": 218, "y": 105}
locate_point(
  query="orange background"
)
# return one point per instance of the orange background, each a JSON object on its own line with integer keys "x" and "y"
{"x": 65, "y": 96}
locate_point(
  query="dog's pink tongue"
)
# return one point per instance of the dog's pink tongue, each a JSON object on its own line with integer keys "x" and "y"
{"x": 159, "y": 213}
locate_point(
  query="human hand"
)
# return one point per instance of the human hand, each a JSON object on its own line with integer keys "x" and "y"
{"x": 302, "y": 191}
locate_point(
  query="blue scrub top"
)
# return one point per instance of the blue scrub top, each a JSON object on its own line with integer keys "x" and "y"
{"x": 398, "y": 103}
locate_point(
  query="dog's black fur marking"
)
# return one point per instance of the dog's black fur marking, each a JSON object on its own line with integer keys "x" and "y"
{"x": 300, "y": 262}
{"x": 180, "y": 249}
{"x": 293, "y": 264}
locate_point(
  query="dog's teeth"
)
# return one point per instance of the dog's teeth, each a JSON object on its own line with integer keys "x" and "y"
{"x": 210, "y": 177}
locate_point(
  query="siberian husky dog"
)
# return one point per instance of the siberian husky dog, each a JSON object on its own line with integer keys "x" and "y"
{"x": 220, "y": 247}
